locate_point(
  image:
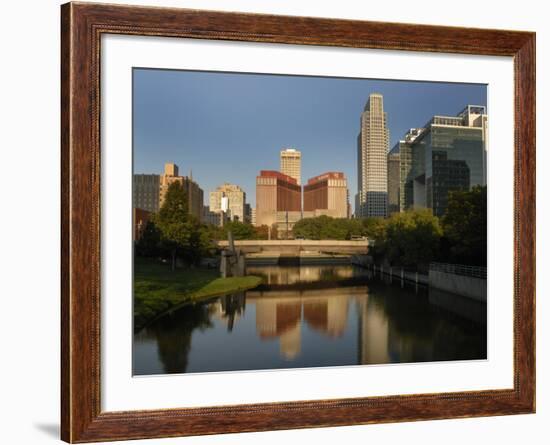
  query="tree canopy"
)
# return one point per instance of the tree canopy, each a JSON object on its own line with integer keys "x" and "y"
{"x": 239, "y": 229}
{"x": 416, "y": 237}
{"x": 149, "y": 243}
{"x": 325, "y": 227}
{"x": 179, "y": 230}
{"x": 465, "y": 226}
{"x": 263, "y": 232}
{"x": 410, "y": 238}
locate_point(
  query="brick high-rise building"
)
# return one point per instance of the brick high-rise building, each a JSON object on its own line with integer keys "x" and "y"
{"x": 291, "y": 164}
{"x": 278, "y": 200}
{"x": 372, "y": 162}
{"x": 327, "y": 194}
{"x": 195, "y": 195}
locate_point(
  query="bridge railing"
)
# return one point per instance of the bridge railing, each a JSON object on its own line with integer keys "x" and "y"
{"x": 295, "y": 242}
{"x": 460, "y": 269}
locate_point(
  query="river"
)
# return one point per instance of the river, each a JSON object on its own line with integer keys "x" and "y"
{"x": 312, "y": 316}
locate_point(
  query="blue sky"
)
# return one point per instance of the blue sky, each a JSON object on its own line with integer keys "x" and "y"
{"x": 226, "y": 127}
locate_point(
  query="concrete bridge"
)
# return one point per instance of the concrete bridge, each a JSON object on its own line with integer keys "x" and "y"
{"x": 297, "y": 247}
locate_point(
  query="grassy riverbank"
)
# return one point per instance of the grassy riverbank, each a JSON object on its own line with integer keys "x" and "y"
{"x": 158, "y": 289}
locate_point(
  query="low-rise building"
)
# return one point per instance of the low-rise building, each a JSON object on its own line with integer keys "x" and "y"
{"x": 208, "y": 217}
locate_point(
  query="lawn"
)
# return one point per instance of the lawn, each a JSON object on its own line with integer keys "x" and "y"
{"x": 157, "y": 289}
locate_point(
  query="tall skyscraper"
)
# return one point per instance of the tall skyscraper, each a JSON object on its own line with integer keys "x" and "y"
{"x": 291, "y": 164}
{"x": 372, "y": 162}
{"x": 146, "y": 190}
{"x": 327, "y": 194}
{"x": 195, "y": 195}
{"x": 235, "y": 204}
{"x": 450, "y": 154}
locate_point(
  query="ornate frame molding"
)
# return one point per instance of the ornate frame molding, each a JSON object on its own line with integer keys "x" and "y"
{"x": 82, "y": 25}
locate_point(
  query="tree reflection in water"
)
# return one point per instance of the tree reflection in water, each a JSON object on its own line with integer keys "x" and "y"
{"x": 173, "y": 335}
{"x": 232, "y": 306}
{"x": 297, "y": 322}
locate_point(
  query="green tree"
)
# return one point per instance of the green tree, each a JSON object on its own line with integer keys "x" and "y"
{"x": 239, "y": 230}
{"x": 179, "y": 230}
{"x": 311, "y": 228}
{"x": 335, "y": 228}
{"x": 465, "y": 226}
{"x": 261, "y": 232}
{"x": 149, "y": 243}
{"x": 373, "y": 227}
{"x": 274, "y": 231}
{"x": 325, "y": 227}
{"x": 213, "y": 232}
{"x": 411, "y": 238}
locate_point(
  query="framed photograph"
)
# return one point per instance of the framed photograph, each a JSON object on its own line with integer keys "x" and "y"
{"x": 274, "y": 222}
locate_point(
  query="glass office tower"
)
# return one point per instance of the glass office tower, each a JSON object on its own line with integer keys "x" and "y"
{"x": 450, "y": 154}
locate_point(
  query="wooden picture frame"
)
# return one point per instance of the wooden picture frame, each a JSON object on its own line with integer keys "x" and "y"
{"x": 82, "y": 25}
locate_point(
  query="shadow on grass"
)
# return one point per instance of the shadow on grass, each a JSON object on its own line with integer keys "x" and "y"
{"x": 158, "y": 289}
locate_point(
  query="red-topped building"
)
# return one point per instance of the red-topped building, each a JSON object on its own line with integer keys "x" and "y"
{"x": 325, "y": 176}
{"x": 278, "y": 175}
{"x": 277, "y": 194}
{"x": 327, "y": 194}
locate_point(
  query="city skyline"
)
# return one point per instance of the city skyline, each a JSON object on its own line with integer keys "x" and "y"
{"x": 237, "y": 117}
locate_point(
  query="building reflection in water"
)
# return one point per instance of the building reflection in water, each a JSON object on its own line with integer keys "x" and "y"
{"x": 274, "y": 275}
{"x": 396, "y": 327}
{"x": 372, "y": 333}
{"x": 229, "y": 308}
{"x": 325, "y": 326}
{"x": 281, "y": 314}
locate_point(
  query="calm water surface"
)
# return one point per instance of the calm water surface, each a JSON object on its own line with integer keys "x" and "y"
{"x": 313, "y": 316}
